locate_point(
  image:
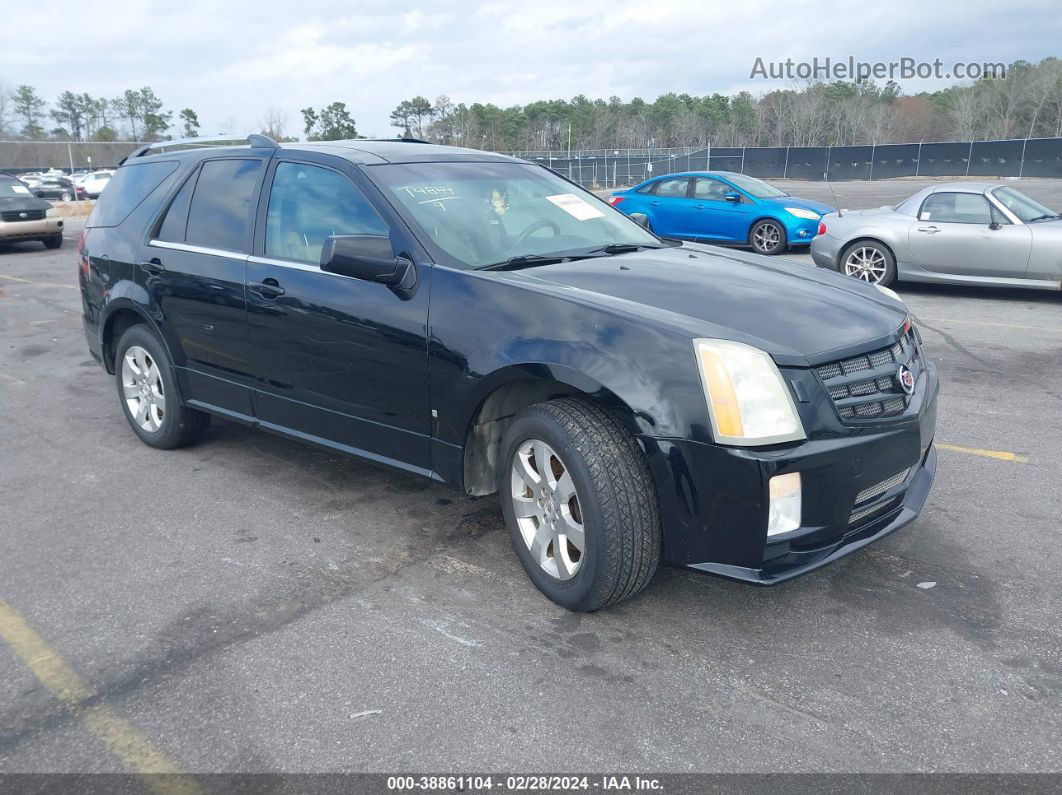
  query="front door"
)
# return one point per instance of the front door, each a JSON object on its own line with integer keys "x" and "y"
{"x": 961, "y": 234}
{"x": 340, "y": 361}
{"x": 717, "y": 218}
{"x": 669, "y": 207}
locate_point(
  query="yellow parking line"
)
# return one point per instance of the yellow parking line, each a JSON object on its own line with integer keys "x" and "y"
{"x": 131, "y": 747}
{"x": 1002, "y": 455}
{"x": 38, "y": 284}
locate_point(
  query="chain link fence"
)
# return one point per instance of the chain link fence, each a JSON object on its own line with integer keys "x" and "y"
{"x": 1022, "y": 157}
{"x": 18, "y": 157}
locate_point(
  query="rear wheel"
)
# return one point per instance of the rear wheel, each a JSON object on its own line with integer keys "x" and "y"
{"x": 55, "y": 241}
{"x": 65, "y": 196}
{"x": 768, "y": 237}
{"x": 147, "y": 389}
{"x": 870, "y": 262}
{"x": 579, "y": 504}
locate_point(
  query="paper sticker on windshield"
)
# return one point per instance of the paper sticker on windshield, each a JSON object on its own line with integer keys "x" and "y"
{"x": 20, "y": 189}
{"x": 575, "y": 206}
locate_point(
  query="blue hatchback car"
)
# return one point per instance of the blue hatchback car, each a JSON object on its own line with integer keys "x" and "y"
{"x": 722, "y": 207}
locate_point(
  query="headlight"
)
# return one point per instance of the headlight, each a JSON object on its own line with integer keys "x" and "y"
{"x": 747, "y": 399}
{"x": 807, "y": 215}
{"x": 891, "y": 293}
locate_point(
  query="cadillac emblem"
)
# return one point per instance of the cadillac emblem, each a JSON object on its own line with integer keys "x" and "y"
{"x": 906, "y": 379}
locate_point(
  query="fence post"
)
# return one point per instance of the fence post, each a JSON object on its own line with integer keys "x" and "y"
{"x": 742, "y": 159}
{"x": 708, "y": 157}
{"x": 828, "y": 148}
{"x": 785, "y": 168}
{"x": 70, "y": 156}
{"x": 969, "y": 158}
{"x": 873, "y": 149}
{"x": 918, "y": 160}
{"x": 1021, "y": 165}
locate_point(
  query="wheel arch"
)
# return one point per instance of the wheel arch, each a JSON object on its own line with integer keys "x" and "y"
{"x": 122, "y": 314}
{"x": 867, "y": 238}
{"x": 507, "y": 393}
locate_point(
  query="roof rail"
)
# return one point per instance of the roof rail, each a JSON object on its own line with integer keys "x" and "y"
{"x": 255, "y": 140}
{"x": 395, "y": 140}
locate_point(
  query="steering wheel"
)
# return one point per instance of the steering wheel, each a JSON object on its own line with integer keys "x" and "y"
{"x": 523, "y": 236}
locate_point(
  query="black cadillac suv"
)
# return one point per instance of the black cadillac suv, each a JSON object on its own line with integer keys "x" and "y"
{"x": 480, "y": 321}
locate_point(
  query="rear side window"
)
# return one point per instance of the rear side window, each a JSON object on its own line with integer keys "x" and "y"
{"x": 674, "y": 188}
{"x": 129, "y": 186}
{"x": 221, "y": 204}
{"x": 173, "y": 225}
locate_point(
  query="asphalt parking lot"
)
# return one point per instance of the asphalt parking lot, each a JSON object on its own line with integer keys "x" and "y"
{"x": 252, "y": 604}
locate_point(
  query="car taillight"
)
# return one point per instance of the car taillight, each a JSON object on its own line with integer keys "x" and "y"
{"x": 82, "y": 257}
{"x": 615, "y": 200}
{"x": 822, "y": 228}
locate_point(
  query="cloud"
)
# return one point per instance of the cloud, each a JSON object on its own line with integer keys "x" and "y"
{"x": 230, "y": 61}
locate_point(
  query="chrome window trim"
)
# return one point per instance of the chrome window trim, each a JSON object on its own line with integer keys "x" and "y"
{"x": 210, "y": 252}
{"x": 299, "y": 266}
{"x": 995, "y": 202}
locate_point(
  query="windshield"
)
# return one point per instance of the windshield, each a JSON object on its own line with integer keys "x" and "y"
{"x": 12, "y": 188}
{"x": 756, "y": 187}
{"x": 1022, "y": 206}
{"x": 485, "y": 213}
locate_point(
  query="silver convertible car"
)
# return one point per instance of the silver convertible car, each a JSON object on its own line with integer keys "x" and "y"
{"x": 956, "y": 232}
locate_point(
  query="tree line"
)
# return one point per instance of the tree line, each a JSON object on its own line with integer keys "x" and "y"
{"x": 1027, "y": 102}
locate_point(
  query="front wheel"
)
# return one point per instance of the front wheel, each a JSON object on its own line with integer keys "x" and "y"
{"x": 869, "y": 262}
{"x": 768, "y": 237}
{"x": 579, "y": 504}
{"x": 147, "y": 389}
{"x": 54, "y": 241}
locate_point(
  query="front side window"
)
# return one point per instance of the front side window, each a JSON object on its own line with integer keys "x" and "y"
{"x": 221, "y": 204}
{"x": 956, "y": 208}
{"x": 482, "y": 213}
{"x": 307, "y": 204}
{"x": 711, "y": 189}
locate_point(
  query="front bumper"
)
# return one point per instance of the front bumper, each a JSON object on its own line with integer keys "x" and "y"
{"x": 799, "y": 231}
{"x": 30, "y": 230}
{"x": 714, "y": 500}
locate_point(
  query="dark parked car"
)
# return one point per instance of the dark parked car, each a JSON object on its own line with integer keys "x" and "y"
{"x": 482, "y": 322}
{"x": 59, "y": 188}
{"x": 25, "y": 217}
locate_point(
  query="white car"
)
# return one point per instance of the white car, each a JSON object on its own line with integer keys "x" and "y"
{"x": 95, "y": 183}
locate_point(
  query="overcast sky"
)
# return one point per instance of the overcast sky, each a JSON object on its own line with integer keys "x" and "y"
{"x": 231, "y": 60}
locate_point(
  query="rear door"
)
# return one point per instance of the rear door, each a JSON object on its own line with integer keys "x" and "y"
{"x": 962, "y": 234}
{"x": 670, "y": 208}
{"x": 193, "y": 267}
{"x": 340, "y": 361}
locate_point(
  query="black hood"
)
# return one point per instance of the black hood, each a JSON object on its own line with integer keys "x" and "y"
{"x": 797, "y": 313}
{"x": 23, "y": 202}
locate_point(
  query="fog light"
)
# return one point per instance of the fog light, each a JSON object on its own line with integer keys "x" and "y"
{"x": 784, "y": 513}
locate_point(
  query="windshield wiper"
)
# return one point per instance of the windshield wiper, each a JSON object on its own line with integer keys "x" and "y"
{"x": 525, "y": 260}
{"x": 620, "y": 248}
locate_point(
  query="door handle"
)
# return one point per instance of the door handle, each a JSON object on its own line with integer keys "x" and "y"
{"x": 654, "y": 203}
{"x": 929, "y": 229}
{"x": 153, "y": 266}
{"x": 269, "y": 288}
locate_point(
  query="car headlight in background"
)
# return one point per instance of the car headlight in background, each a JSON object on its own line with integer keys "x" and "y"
{"x": 748, "y": 401}
{"x": 807, "y": 215}
{"x": 890, "y": 292}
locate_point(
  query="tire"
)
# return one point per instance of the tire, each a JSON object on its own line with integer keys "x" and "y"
{"x": 612, "y": 499}
{"x": 65, "y": 196}
{"x": 869, "y": 261}
{"x": 171, "y": 424}
{"x": 768, "y": 237}
{"x": 55, "y": 241}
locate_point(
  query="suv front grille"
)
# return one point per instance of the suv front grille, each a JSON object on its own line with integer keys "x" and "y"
{"x": 17, "y": 215}
{"x": 865, "y": 387}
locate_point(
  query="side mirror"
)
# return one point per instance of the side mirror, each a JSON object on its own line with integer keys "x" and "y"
{"x": 641, "y": 220}
{"x": 995, "y": 225}
{"x": 734, "y": 197}
{"x": 367, "y": 257}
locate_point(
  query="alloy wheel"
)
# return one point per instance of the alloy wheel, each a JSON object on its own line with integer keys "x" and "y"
{"x": 767, "y": 237}
{"x": 547, "y": 509}
{"x": 866, "y": 263}
{"x": 142, "y": 388}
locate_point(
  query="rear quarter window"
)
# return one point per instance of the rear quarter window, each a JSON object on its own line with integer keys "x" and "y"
{"x": 127, "y": 188}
